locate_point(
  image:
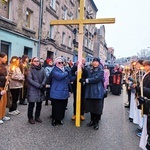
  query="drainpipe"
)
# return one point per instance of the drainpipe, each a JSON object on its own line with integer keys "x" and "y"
{"x": 40, "y": 27}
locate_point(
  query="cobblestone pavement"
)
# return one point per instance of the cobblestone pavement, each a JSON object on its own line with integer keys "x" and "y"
{"x": 115, "y": 131}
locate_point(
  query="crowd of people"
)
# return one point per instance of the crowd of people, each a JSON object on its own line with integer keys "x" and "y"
{"x": 32, "y": 81}
{"x": 138, "y": 90}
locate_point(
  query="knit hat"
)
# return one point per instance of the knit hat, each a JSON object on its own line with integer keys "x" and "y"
{"x": 96, "y": 59}
{"x": 41, "y": 60}
{"x": 58, "y": 59}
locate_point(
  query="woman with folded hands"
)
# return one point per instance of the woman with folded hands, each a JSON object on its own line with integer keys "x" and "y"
{"x": 35, "y": 92}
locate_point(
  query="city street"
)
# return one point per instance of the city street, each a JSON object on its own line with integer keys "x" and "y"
{"x": 115, "y": 131}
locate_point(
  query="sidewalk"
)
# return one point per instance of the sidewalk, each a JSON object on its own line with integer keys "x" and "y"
{"x": 115, "y": 132}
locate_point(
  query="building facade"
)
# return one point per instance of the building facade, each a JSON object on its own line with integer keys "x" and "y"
{"x": 100, "y": 46}
{"x": 18, "y": 35}
{"x": 25, "y": 29}
{"x": 110, "y": 56}
{"x": 62, "y": 40}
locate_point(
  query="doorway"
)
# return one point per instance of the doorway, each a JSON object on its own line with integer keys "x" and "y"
{"x": 5, "y": 48}
{"x": 50, "y": 54}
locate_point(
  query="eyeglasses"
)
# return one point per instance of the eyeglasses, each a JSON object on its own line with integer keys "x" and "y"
{"x": 36, "y": 61}
{"x": 60, "y": 62}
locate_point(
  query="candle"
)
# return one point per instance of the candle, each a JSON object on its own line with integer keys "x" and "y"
{"x": 142, "y": 72}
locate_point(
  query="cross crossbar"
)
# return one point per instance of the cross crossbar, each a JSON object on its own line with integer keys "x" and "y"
{"x": 84, "y": 21}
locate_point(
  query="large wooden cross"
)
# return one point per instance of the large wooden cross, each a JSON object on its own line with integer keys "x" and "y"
{"x": 81, "y": 21}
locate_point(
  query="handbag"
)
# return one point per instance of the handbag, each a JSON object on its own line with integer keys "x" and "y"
{"x": 9, "y": 98}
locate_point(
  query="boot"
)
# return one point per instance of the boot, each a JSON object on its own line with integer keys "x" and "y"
{"x": 92, "y": 120}
{"x": 53, "y": 122}
{"x": 31, "y": 121}
{"x": 90, "y": 123}
{"x": 60, "y": 122}
{"x": 96, "y": 125}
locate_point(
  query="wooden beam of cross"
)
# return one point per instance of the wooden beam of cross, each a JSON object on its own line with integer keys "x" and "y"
{"x": 81, "y": 21}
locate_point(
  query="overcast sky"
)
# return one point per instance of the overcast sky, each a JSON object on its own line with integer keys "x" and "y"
{"x": 131, "y": 31}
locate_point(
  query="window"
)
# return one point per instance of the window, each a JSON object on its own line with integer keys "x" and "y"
{"x": 63, "y": 37}
{"x": 87, "y": 26}
{"x": 5, "y": 10}
{"x": 53, "y": 4}
{"x": 78, "y": 14}
{"x": 88, "y": 8}
{"x": 69, "y": 41}
{"x": 51, "y": 32}
{"x": 89, "y": 43}
{"x": 85, "y": 3}
{"x": 92, "y": 46}
{"x": 85, "y": 41}
{"x": 71, "y": 16}
{"x": 64, "y": 16}
{"x": 72, "y": 1}
{"x": 28, "y": 18}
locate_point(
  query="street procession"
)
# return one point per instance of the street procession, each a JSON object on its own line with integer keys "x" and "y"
{"x": 62, "y": 87}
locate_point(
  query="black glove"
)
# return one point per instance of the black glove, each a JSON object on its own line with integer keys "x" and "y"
{"x": 139, "y": 106}
{"x": 141, "y": 100}
{"x": 43, "y": 88}
{"x": 40, "y": 87}
{"x": 82, "y": 80}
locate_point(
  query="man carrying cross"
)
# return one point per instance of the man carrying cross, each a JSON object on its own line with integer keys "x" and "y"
{"x": 81, "y": 22}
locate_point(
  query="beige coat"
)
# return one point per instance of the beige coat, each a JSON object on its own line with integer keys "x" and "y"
{"x": 17, "y": 79}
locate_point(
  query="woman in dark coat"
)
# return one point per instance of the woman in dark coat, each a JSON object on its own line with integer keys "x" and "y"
{"x": 59, "y": 91}
{"x": 94, "y": 92}
{"x": 3, "y": 80}
{"x": 35, "y": 92}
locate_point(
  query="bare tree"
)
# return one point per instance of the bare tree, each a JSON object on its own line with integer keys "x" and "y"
{"x": 144, "y": 54}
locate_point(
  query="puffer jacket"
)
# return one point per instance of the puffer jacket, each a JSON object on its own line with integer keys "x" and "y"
{"x": 36, "y": 77}
{"x": 59, "y": 84}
